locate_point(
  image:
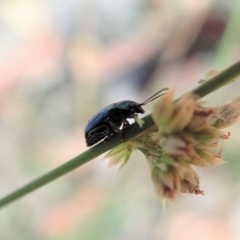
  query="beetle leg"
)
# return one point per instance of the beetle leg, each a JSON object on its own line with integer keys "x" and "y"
{"x": 117, "y": 129}
{"x": 114, "y": 126}
{"x": 127, "y": 124}
{"x": 107, "y": 138}
{"x": 123, "y": 138}
{"x": 125, "y": 121}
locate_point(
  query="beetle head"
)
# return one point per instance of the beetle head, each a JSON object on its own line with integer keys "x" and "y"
{"x": 138, "y": 109}
{"x": 134, "y": 108}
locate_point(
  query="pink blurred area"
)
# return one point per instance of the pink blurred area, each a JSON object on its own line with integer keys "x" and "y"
{"x": 60, "y": 62}
{"x": 198, "y": 227}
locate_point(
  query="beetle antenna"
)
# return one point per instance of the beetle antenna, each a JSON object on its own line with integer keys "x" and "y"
{"x": 154, "y": 96}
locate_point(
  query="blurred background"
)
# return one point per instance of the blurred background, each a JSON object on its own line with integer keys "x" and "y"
{"x": 63, "y": 60}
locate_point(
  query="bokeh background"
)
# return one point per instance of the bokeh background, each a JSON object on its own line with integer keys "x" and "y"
{"x": 63, "y": 60}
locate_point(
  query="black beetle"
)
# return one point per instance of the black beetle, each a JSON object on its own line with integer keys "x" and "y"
{"x": 114, "y": 116}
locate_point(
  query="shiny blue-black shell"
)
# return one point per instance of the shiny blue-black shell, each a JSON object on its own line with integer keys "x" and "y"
{"x": 100, "y": 117}
{"x": 110, "y": 111}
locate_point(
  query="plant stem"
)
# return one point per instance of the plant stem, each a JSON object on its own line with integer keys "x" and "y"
{"x": 225, "y": 77}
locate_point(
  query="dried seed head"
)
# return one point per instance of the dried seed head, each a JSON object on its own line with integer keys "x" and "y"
{"x": 186, "y": 133}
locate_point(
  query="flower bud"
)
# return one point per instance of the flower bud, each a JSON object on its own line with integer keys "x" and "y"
{"x": 163, "y": 109}
{"x": 229, "y": 114}
{"x": 208, "y": 134}
{"x": 205, "y": 158}
{"x": 174, "y": 145}
{"x": 190, "y": 188}
{"x": 120, "y": 154}
{"x": 182, "y": 114}
{"x": 167, "y": 184}
{"x": 202, "y": 117}
{"x": 190, "y": 181}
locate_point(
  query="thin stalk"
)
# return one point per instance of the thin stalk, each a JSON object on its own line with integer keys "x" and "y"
{"x": 225, "y": 77}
